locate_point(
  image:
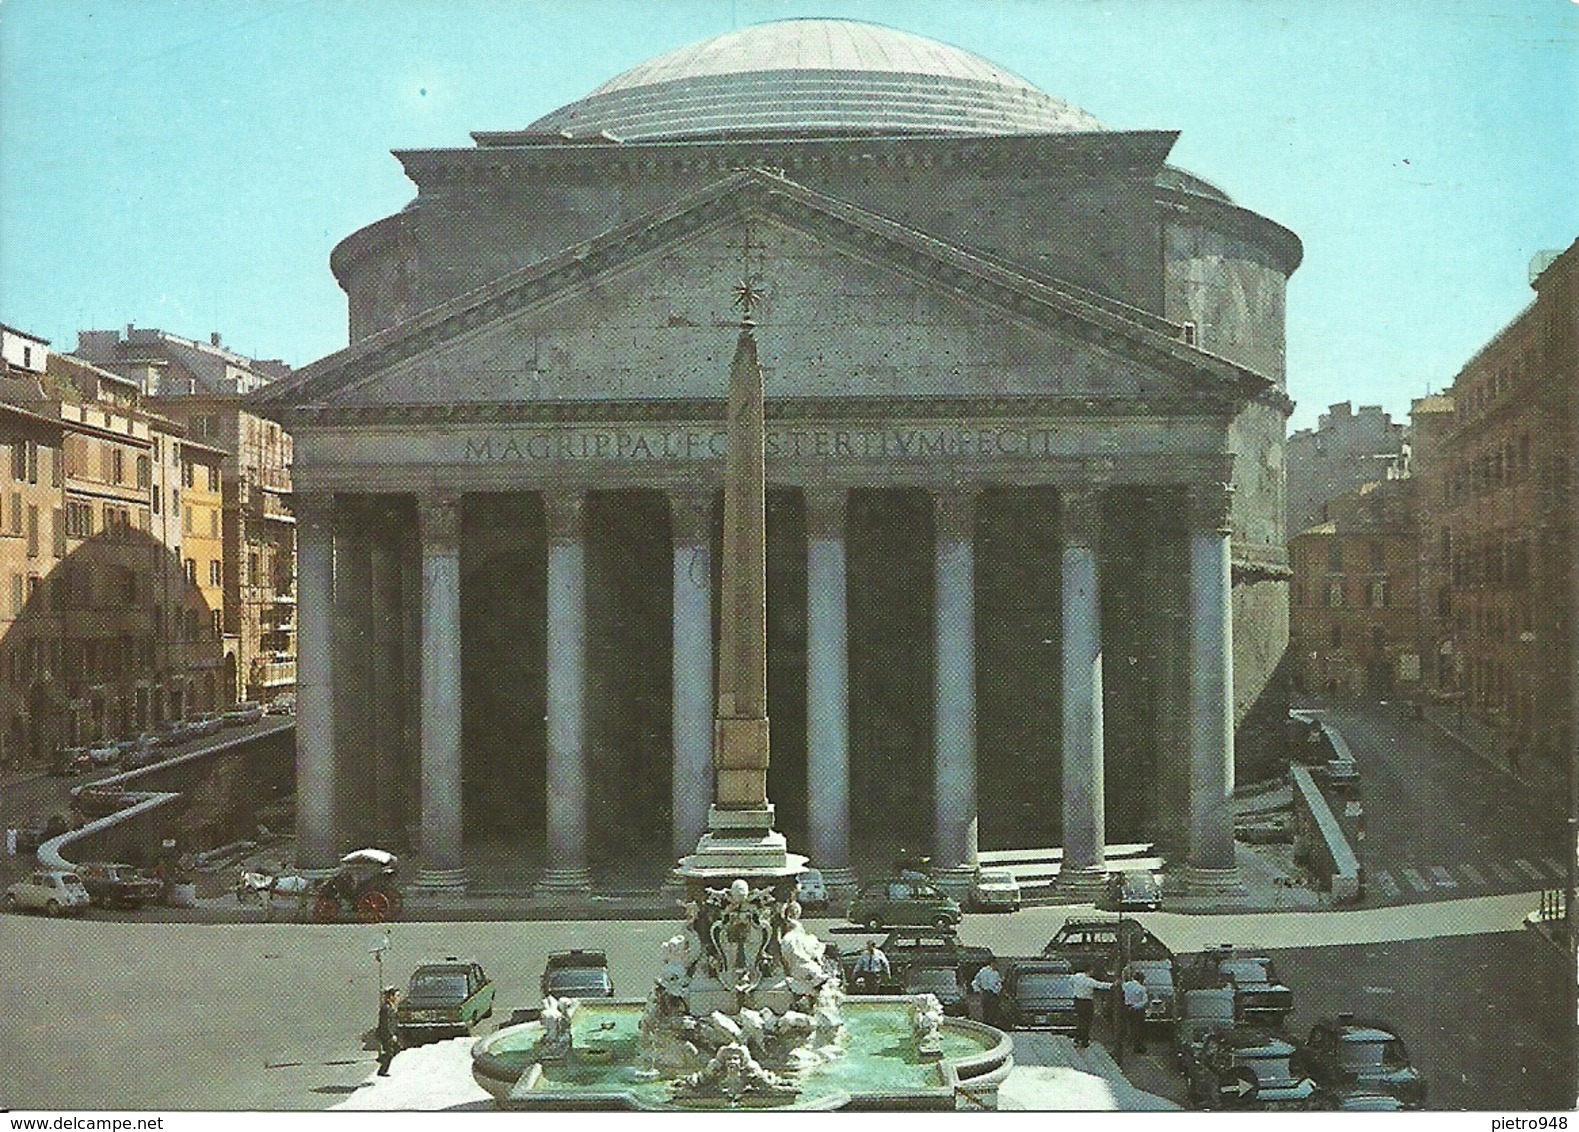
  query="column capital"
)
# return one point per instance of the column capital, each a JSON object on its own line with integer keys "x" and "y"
{"x": 954, "y": 510}
{"x": 562, "y": 513}
{"x": 1082, "y": 513}
{"x": 1210, "y": 506}
{"x": 825, "y": 511}
{"x": 439, "y": 517}
{"x": 691, "y": 515}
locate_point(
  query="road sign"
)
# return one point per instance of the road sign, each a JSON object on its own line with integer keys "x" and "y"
{"x": 1238, "y": 1085}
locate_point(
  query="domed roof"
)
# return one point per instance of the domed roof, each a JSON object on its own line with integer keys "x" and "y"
{"x": 815, "y": 76}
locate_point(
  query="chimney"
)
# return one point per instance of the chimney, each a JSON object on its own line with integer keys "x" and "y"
{"x": 213, "y": 338}
{"x": 129, "y": 327}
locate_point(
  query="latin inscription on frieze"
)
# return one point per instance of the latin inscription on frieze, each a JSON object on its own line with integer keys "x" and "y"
{"x": 814, "y": 443}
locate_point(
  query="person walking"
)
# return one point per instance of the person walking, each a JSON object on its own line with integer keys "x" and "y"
{"x": 1085, "y": 986}
{"x": 1136, "y": 999}
{"x": 388, "y": 1036}
{"x": 989, "y": 984}
{"x": 871, "y": 969}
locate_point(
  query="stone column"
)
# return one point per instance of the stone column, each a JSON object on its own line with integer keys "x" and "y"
{"x": 352, "y": 673}
{"x": 954, "y": 689}
{"x": 1210, "y": 865}
{"x": 317, "y": 837}
{"x": 566, "y": 868}
{"x": 439, "y": 518}
{"x": 827, "y": 689}
{"x": 388, "y": 692}
{"x": 690, "y": 524}
{"x": 1084, "y": 869}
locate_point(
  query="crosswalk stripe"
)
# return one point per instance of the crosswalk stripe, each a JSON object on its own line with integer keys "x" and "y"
{"x": 1474, "y": 875}
{"x": 1500, "y": 871}
{"x": 1553, "y": 866}
{"x": 1528, "y": 869}
{"x": 1416, "y": 881}
{"x": 1441, "y": 877}
{"x": 1384, "y": 881}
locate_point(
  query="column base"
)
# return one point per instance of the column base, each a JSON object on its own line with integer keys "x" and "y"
{"x": 563, "y": 881}
{"x": 1223, "y": 885}
{"x": 1082, "y": 884}
{"x": 441, "y": 881}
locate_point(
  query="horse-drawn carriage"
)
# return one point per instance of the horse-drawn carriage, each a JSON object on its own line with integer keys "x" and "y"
{"x": 364, "y": 885}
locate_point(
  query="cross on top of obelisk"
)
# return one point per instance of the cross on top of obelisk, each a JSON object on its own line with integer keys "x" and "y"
{"x": 748, "y": 292}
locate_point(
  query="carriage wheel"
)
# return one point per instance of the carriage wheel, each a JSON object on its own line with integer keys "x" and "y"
{"x": 326, "y": 909}
{"x": 372, "y": 906}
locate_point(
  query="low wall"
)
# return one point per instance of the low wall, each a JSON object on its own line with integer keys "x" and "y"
{"x": 159, "y": 793}
{"x": 1319, "y": 841}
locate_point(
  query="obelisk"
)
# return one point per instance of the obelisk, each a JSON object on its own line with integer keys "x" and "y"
{"x": 740, "y": 840}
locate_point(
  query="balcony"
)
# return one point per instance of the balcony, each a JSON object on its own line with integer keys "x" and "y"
{"x": 274, "y": 674}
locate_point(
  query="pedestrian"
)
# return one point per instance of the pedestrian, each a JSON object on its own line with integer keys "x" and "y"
{"x": 1085, "y": 986}
{"x": 388, "y": 1036}
{"x": 871, "y": 969}
{"x": 989, "y": 984}
{"x": 1136, "y": 999}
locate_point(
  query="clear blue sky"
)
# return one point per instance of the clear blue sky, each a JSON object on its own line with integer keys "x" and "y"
{"x": 190, "y": 165}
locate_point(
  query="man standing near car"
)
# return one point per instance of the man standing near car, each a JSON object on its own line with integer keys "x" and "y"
{"x": 388, "y": 1038}
{"x": 1085, "y": 987}
{"x": 1136, "y": 999}
{"x": 871, "y": 969}
{"x": 989, "y": 984}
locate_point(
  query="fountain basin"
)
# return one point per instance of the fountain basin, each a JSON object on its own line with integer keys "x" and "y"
{"x": 880, "y": 1068}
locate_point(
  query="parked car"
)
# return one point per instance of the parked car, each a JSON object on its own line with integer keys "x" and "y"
{"x": 171, "y": 732}
{"x": 577, "y": 974}
{"x": 1245, "y": 1067}
{"x": 908, "y": 947}
{"x": 209, "y": 723}
{"x": 1202, "y": 1011}
{"x": 1356, "y": 1061}
{"x": 444, "y": 1000}
{"x": 1342, "y": 772}
{"x": 812, "y": 891}
{"x": 1091, "y": 944}
{"x": 995, "y": 890}
{"x": 117, "y": 885}
{"x": 29, "y": 837}
{"x": 105, "y": 754}
{"x": 1136, "y": 890}
{"x": 282, "y": 704}
{"x": 248, "y": 711}
{"x": 1039, "y": 994}
{"x": 1260, "y": 997}
{"x": 941, "y": 980}
{"x": 51, "y": 891}
{"x": 911, "y": 900}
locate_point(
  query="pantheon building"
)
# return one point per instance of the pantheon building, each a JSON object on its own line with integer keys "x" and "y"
{"x": 1025, "y": 417}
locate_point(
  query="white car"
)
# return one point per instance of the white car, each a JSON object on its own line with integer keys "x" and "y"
{"x": 49, "y": 891}
{"x": 282, "y": 704}
{"x": 995, "y": 890}
{"x": 248, "y": 711}
{"x": 813, "y": 891}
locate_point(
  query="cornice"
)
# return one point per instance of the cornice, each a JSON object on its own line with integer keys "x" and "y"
{"x": 1280, "y": 243}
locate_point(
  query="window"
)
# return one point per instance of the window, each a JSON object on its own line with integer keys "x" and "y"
{"x": 252, "y": 569}
{"x": 79, "y": 519}
{"x": 213, "y": 522}
{"x": 186, "y": 524}
{"x": 18, "y": 595}
{"x": 214, "y": 623}
{"x": 213, "y": 573}
{"x": 1379, "y": 596}
{"x": 16, "y": 512}
{"x": 1447, "y": 544}
{"x": 1444, "y": 602}
{"x": 57, "y": 467}
{"x": 213, "y": 478}
{"x": 1334, "y": 557}
{"x": 117, "y": 465}
{"x": 32, "y": 531}
{"x": 57, "y": 531}
{"x": 1337, "y": 636}
{"x": 154, "y": 499}
{"x": 187, "y": 475}
{"x": 1378, "y": 556}
{"x": 191, "y": 571}
{"x": 1334, "y": 595}
{"x": 145, "y": 472}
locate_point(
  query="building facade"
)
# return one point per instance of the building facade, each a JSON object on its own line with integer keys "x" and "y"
{"x": 1352, "y": 621}
{"x": 1025, "y": 395}
{"x": 201, "y": 385}
{"x": 1345, "y": 450}
{"x": 1499, "y": 469}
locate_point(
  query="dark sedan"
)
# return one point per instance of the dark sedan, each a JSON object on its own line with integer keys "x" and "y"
{"x": 577, "y": 974}
{"x": 1352, "y": 1059}
{"x": 444, "y": 1000}
{"x": 117, "y": 885}
{"x": 941, "y": 981}
{"x": 1039, "y": 994}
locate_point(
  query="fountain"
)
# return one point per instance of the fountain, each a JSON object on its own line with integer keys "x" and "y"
{"x": 748, "y": 1010}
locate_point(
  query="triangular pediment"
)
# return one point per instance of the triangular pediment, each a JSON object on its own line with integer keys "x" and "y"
{"x": 857, "y": 307}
